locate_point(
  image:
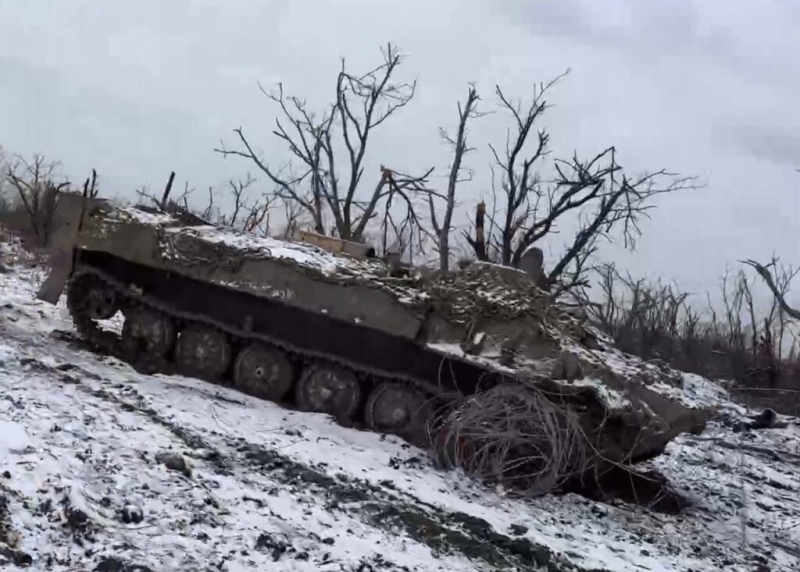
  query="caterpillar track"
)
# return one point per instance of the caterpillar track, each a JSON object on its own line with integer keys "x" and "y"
{"x": 161, "y": 337}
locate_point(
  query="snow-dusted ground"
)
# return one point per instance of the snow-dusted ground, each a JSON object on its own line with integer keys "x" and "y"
{"x": 86, "y": 444}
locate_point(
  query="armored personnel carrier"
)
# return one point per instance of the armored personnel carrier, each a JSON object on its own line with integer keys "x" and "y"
{"x": 322, "y": 325}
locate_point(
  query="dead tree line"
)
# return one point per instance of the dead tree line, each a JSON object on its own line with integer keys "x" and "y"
{"x": 29, "y": 195}
{"x": 36, "y": 186}
{"x": 324, "y": 177}
{"x": 322, "y": 184}
{"x": 732, "y": 339}
{"x": 232, "y": 205}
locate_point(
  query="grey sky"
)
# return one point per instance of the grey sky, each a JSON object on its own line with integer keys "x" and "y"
{"x": 702, "y": 87}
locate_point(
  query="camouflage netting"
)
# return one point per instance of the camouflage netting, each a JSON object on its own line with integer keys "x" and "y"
{"x": 490, "y": 291}
{"x": 504, "y": 308}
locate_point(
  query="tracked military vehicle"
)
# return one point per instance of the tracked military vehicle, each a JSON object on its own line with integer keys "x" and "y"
{"x": 322, "y": 325}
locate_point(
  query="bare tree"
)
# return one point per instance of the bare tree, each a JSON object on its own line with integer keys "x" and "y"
{"x": 466, "y": 111}
{"x": 410, "y": 233}
{"x": 732, "y": 340}
{"x": 37, "y": 188}
{"x": 596, "y": 190}
{"x": 243, "y": 214}
{"x": 167, "y": 202}
{"x": 777, "y": 280}
{"x": 311, "y": 178}
{"x": 90, "y": 187}
{"x": 292, "y": 212}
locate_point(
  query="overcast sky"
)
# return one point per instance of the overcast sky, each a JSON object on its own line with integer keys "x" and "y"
{"x": 705, "y": 87}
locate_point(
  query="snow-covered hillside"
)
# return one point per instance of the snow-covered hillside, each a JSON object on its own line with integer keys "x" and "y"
{"x": 105, "y": 469}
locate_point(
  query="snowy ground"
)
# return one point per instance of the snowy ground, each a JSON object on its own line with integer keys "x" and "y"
{"x": 105, "y": 469}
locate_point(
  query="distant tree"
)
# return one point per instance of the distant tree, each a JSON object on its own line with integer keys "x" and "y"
{"x": 245, "y": 212}
{"x": 37, "y": 188}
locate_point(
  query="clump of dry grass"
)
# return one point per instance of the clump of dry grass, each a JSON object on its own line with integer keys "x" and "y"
{"x": 515, "y": 436}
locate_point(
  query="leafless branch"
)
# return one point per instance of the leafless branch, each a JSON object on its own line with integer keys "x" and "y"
{"x": 772, "y": 283}
{"x": 466, "y": 111}
{"x": 595, "y": 190}
{"x": 362, "y": 103}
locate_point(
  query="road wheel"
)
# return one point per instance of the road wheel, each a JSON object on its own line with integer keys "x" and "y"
{"x": 400, "y": 410}
{"x": 202, "y": 352}
{"x": 329, "y": 389}
{"x": 149, "y": 330}
{"x": 263, "y": 372}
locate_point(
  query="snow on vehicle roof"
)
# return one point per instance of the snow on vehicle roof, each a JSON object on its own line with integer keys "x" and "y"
{"x": 302, "y": 254}
{"x": 134, "y": 214}
{"x": 299, "y": 253}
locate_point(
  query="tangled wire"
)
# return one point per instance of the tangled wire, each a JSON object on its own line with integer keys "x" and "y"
{"x": 514, "y": 436}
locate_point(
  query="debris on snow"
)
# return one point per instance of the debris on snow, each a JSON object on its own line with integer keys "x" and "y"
{"x": 175, "y": 462}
